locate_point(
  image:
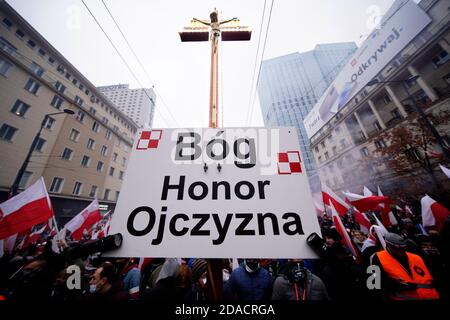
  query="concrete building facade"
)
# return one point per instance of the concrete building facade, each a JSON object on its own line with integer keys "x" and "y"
{"x": 137, "y": 104}
{"x": 80, "y": 156}
{"x": 350, "y": 150}
{"x": 290, "y": 86}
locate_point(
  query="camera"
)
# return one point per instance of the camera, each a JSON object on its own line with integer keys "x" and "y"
{"x": 107, "y": 243}
{"x": 317, "y": 244}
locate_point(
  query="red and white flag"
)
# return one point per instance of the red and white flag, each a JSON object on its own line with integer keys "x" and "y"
{"x": 34, "y": 236}
{"x": 367, "y": 192}
{"x": 433, "y": 213}
{"x": 25, "y": 210}
{"x": 330, "y": 197}
{"x": 390, "y": 215}
{"x": 84, "y": 220}
{"x": 445, "y": 170}
{"x": 341, "y": 229}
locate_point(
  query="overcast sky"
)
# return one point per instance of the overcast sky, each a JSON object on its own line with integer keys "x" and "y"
{"x": 180, "y": 71}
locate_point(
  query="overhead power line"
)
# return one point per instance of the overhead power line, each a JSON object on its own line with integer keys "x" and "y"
{"x": 260, "y": 63}
{"x": 122, "y": 58}
{"x": 139, "y": 62}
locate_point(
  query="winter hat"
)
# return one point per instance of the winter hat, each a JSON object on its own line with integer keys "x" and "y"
{"x": 198, "y": 268}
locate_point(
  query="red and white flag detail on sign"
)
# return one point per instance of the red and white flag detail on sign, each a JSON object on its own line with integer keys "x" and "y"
{"x": 84, "y": 220}
{"x": 25, "y": 210}
{"x": 433, "y": 213}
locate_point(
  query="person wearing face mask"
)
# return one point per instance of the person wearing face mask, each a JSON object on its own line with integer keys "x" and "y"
{"x": 200, "y": 279}
{"x": 298, "y": 283}
{"x": 249, "y": 282}
{"x": 404, "y": 275}
{"x": 103, "y": 284}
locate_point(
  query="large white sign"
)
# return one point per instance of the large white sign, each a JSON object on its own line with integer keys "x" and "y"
{"x": 403, "y": 21}
{"x": 215, "y": 193}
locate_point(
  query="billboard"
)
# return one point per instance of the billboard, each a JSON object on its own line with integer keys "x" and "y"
{"x": 403, "y": 21}
{"x": 215, "y": 193}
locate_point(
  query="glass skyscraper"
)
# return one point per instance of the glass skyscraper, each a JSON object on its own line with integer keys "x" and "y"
{"x": 290, "y": 85}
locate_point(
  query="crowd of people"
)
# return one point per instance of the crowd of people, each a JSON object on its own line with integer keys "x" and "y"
{"x": 412, "y": 263}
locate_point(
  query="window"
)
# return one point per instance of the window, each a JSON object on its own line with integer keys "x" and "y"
{"x": 57, "y": 184}
{"x": 387, "y": 99}
{"x": 446, "y": 78}
{"x": 92, "y": 110}
{"x": 7, "y": 23}
{"x": 380, "y": 144}
{"x": 41, "y": 52}
{"x": 57, "y": 101}
{"x": 20, "y": 108}
{"x": 60, "y": 87}
{"x": 334, "y": 150}
{"x": 395, "y": 114}
{"x": 322, "y": 144}
{"x": 440, "y": 59}
{"x": 51, "y": 60}
{"x": 91, "y": 144}
{"x": 6, "y": 46}
{"x": 104, "y": 151}
{"x": 80, "y": 116}
{"x": 67, "y": 154}
{"x": 316, "y": 149}
{"x": 78, "y": 101}
{"x": 19, "y": 34}
{"x": 25, "y": 179}
{"x": 81, "y": 87}
{"x": 60, "y": 69}
{"x": 338, "y": 130}
{"x": 68, "y": 76}
{"x": 377, "y": 126}
{"x": 85, "y": 161}
{"x": 117, "y": 195}
{"x": 365, "y": 152}
{"x": 100, "y": 166}
{"x": 48, "y": 123}
{"x": 104, "y": 120}
{"x": 77, "y": 188}
{"x": 37, "y": 70}
{"x": 326, "y": 155}
{"x": 106, "y": 196}
{"x": 74, "y": 135}
{"x": 111, "y": 171}
{"x": 7, "y": 132}
{"x": 114, "y": 157}
{"x": 108, "y": 134}
{"x": 32, "y": 86}
{"x": 343, "y": 144}
{"x": 40, "y": 145}
{"x": 93, "y": 192}
{"x": 74, "y": 81}
{"x": 4, "y": 67}
{"x": 124, "y": 161}
{"x": 95, "y": 126}
{"x": 121, "y": 175}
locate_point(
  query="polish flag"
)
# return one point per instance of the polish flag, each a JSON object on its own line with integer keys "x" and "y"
{"x": 445, "y": 170}
{"x": 84, "y": 220}
{"x": 390, "y": 215}
{"x": 367, "y": 192}
{"x": 34, "y": 237}
{"x": 330, "y": 197}
{"x": 25, "y": 210}
{"x": 433, "y": 213}
{"x": 341, "y": 229}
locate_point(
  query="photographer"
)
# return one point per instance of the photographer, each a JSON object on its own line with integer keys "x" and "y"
{"x": 298, "y": 283}
{"x": 343, "y": 277}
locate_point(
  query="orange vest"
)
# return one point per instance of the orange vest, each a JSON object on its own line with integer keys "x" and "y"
{"x": 420, "y": 276}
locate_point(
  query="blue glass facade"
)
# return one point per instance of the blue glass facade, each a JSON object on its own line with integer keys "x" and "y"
{"x": 290, "y": 85}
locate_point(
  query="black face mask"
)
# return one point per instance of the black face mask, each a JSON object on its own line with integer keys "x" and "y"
{"x": 252, "y": 264}
{"x": 297, "y": 274}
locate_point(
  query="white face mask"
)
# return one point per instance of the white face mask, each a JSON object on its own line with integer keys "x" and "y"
{"x": 92, "y": 288}
{"x": 225, "y": 275}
